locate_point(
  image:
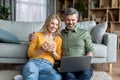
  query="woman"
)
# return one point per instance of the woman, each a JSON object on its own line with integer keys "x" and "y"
{"x": 43, "y": 51}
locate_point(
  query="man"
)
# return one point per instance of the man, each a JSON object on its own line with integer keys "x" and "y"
{"x": 76, "y": 42}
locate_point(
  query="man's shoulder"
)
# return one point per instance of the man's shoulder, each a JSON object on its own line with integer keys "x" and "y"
{"x": 82, "y": 30}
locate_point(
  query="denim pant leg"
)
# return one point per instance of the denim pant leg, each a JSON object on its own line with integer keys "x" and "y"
{"x": 48, "y": 73}
{"x": 30, "y": 71}
{"x": 68, "y": 76}
{"x": 86, "y": 74}
{"x": 54, "y": 75}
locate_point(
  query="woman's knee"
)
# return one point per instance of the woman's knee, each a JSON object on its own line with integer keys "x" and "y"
{"x": 55, "y": 75}
{"x": 30, "y": 69}
{"x": 50, "y": 76}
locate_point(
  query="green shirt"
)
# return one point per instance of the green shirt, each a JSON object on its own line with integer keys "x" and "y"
{"x": 76, "y": 43}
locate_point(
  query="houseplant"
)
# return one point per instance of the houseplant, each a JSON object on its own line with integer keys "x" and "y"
{"x": 80, "y": 6}
{"x": 4, "y": 12}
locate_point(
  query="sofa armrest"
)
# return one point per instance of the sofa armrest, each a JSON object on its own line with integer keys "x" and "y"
{"x": 110, "y": 40}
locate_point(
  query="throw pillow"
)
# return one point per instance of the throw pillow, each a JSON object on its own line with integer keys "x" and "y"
{"x": 98, "y": 31}
{"x": 87, "y": 25}
{"x": 7, "y": 37}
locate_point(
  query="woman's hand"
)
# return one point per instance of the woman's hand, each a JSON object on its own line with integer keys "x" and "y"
{"x": 45, "y": 46}
{"x": 49, "y": 47}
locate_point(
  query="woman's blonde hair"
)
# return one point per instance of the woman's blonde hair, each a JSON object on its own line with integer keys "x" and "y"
{"x": 48, "y": 21}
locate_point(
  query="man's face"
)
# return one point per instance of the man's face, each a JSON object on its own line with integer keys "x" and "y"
{"x": 71, "y": 21}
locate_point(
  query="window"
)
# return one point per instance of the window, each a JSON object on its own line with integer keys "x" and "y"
{"x": 31, "y": 10}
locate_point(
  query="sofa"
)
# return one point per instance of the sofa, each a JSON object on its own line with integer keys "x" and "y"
{"x": 14, "y": 41}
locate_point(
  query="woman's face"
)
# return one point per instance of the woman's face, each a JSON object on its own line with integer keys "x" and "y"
{"x": 53, "y": 26}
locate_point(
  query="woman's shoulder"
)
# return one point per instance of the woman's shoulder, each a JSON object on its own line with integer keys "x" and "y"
{"x": 58, "y": 37}
{"x": 38, "y": 33}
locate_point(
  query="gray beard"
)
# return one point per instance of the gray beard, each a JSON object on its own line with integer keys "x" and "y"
{"x": 71, "y": 28}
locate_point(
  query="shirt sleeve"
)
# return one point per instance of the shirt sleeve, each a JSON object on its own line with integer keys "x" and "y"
{"x": 88, "y": 43}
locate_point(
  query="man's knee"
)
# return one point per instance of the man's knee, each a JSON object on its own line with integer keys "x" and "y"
{"x": 87, "y": 74}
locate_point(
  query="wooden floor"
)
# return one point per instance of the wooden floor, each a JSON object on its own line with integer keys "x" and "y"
{"x": 98, "y": 67}
{"x": 116, "y": 68}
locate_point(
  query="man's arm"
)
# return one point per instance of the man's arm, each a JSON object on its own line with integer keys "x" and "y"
{"x": 89, "y": 45}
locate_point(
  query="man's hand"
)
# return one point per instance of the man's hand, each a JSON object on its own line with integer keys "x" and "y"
{"x": 89, "y": 54}
{"x": 32, "y": 36}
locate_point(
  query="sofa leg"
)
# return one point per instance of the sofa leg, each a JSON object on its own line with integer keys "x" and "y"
{"x": 110, "y": 68}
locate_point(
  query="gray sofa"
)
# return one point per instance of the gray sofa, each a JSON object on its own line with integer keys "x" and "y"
{"x": 16, "y": 53}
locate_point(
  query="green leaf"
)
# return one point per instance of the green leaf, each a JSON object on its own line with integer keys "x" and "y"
{"x": 4, "y": 12}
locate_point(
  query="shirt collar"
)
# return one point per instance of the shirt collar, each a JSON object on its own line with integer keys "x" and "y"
{"x": 74, "y": 30}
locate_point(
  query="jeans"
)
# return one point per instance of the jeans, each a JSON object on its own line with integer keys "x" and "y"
{"x": 40, "y": 69}
{"x": 83, "y": 75}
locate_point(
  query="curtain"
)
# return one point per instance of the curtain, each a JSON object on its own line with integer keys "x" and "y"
{"x": 33, "y": 10}
{"x": 29, "y": 10}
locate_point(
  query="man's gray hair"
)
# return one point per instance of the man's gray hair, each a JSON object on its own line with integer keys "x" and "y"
{"x": 71, "y": 11}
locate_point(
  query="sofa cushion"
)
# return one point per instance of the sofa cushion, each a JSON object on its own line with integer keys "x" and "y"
{"x": 13, "y": 50}
{"x": 86, "y": 25}
{"x": 100, "y": 50}
{"x": 21, "y": 29}
{"x": 8, "y": 37}
{"x": 98, "y": 31}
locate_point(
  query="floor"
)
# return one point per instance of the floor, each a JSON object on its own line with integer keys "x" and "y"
{"x": 116, "y": 68}
{"x": 98, "y": 67}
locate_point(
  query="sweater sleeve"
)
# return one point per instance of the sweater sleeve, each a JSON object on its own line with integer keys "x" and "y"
{"x": 59, "y": 47}
{"x": 32, "y": 48}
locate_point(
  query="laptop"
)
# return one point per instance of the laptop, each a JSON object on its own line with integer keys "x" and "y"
{"x": 74, "y": 64}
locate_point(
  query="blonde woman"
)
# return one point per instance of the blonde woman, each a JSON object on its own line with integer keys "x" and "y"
{"x": 43, "y": 51}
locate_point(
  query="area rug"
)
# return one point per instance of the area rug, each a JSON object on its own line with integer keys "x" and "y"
{"x": 101, "y": 75}
{"x": 97, "y": 75}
